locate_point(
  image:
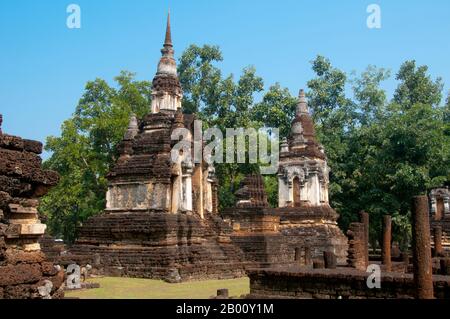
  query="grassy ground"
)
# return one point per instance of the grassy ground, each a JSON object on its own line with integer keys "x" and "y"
{"x": 133, "y": 288}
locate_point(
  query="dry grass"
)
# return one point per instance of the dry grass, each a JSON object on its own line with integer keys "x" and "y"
{"x": 134, "y": 288}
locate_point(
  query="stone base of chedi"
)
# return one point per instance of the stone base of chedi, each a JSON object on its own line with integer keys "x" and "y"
{"x": 24, "y": 271}
{"x": 151, "y": 244}
{"x": 314, "y": 227}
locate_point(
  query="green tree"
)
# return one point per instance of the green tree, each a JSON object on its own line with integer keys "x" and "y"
{"x": 334, "y": 115}
{"x": 369, "y": 106}
{"x": 234, "y": 111}
{"x": 401, "y": 151}
{"x": 416, "y": 86}
{"x": 400, "y": 156}
{"x": 276, "y": 110}
{"x": 370, "y": 97}
{"x": 200, "y": 79}
{"x": 381, "y": 153}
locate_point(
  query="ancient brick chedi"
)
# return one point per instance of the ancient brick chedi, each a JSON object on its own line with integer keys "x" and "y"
{"x": 161, "y": 217}
{"x": 306, "y": 215}
{"x": 24, "y": 271}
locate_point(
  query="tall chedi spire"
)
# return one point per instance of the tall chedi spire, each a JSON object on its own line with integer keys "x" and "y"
{"x": 303, "y": 181}
{"x": 166, "y": 93}
{"x": 168, "y": 39}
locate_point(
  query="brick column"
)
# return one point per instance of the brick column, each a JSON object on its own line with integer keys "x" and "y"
{"x": 215, "y": 198}
{"x": 422, "y": 262}
{"x": 308, "y": 256}
{"x": 330, "y": 260}
{"x": 356, "y": 257}
{"x": 387, "y": 236}
{"x": 318, "y": 264}
{"x": 405, "y": 259}
{"x": 298, "y": 256}
{"x": 364, "y": 218}
{"x": 437, "y": 234}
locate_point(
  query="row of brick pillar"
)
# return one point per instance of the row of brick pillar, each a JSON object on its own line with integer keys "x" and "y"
{"x": 421, "y": 246}
{"x": 386, "y": 245}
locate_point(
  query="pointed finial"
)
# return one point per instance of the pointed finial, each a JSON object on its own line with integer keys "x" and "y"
{"x": 168, "y": 39}
{"x": 284, "y": 146}
{"x": 179, "y": 118}
{"x": 302, "y": 95}
{"x": 302, "y": 107}
{"x": 167, "y": 64}
{"x": 133, "y": 127}
{"x": 132, "y": 124}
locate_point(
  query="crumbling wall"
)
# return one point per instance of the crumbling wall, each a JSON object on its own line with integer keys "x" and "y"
{"x": 345, "y": 283}
{"x": 24, "y": 271}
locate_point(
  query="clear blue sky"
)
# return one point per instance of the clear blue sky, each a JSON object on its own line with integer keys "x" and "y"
{"x": 44, "y": 65}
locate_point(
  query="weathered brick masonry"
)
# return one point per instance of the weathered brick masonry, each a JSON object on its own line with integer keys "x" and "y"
{"x": 24, "y": 270}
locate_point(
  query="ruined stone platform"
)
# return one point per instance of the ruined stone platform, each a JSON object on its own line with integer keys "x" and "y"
{"x": 345, "y": 283}
{"x": 314, "y": 227}
{"x": 157, "y": 245}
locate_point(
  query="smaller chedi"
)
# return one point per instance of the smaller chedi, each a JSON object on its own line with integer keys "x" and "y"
{"x": 252, "y": 193}
{"x": 256, "y": 226}
{"x": 24, "y": 271}
{"x": 307, "y": 219}
{"x": 304, "y": 226}
{"x": 303, "y": 174}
